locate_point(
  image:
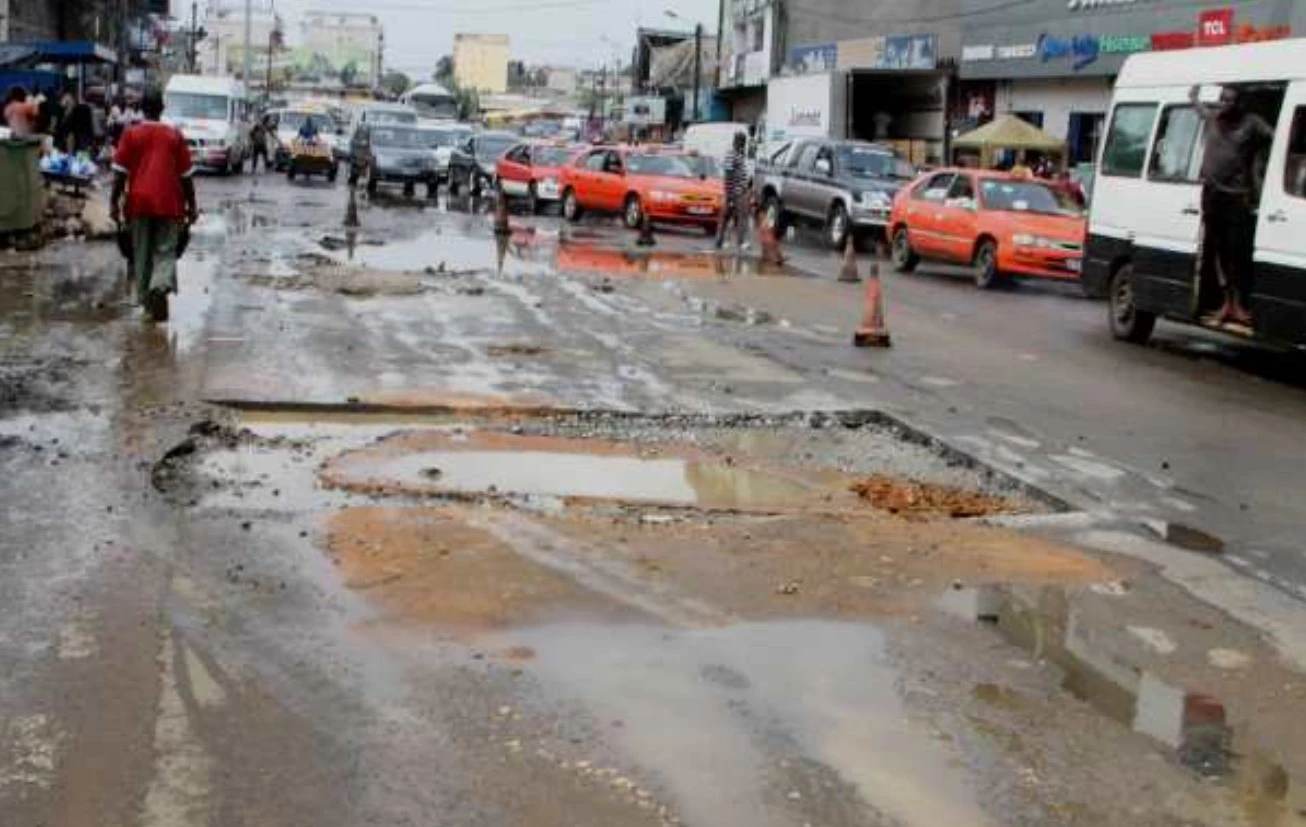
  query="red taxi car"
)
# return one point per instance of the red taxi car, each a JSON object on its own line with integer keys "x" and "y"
{"x": 1000, "y": 224}
{"x": 533, "y": 170}
{"x": 668, "y": 186}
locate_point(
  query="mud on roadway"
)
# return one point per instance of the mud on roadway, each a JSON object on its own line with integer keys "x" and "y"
{"x": 410, "y": 525}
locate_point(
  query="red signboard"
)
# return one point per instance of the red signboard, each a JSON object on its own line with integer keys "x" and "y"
{"x": 1215, "y": 27}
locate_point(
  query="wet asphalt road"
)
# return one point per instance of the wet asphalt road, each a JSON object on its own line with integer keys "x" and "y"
{"x": 227, "y": 648}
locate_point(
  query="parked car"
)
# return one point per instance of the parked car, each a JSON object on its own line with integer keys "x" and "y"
{"x": 845, "y": 187}
{"x": 1000, "y": 224}
{"x": 532, "y": 171}
{"x": 472, "y": 164}
{"x": 1145, "y": 241}
{"x": 667, "y": 186}
{"x": 397, "y": 154}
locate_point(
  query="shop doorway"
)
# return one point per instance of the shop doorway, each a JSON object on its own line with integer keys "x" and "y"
{"x": 1082, "y": 134}
{"x": 903, "y": 109}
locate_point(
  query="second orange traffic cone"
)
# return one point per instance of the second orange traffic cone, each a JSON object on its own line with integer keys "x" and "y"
{"x": 872, "y": 332}
{"x": 848, "y": 273}
{"x": 767, "y": 241}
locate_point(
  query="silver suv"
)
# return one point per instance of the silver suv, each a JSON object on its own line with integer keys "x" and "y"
{"x": 844, "y": 187}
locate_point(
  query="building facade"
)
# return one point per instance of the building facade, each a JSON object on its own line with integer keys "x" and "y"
{"x": 480, "y": 62}
{"x": 751, "y": 53}
{"x": 917, "y": 73}
{"x": 222, "y": 51}
{"x": 350, "y": 46}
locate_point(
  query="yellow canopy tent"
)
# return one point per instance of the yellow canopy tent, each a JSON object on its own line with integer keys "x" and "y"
{"x": 1006, "y": 132}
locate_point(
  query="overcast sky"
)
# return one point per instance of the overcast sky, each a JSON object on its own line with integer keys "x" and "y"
{"x": 565, "y": 32}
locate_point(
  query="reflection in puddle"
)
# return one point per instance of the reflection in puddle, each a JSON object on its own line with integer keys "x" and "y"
{"x": 1194, "y": 725}
{"x": 670, "y": 481}
{"x": 590, "y": 258}
{"x": 697, "y": 706}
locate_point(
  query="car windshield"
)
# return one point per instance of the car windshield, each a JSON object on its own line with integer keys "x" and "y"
{"x": 1026, "y": 196}
{"x": 705, "y": 165}
{"x": 862, "y": 162}
{"x": 551, "y": 156}
{"x": 399, "y": 138}
{"x": 191, "y": 105}
{"x": 668, "y": 166}
{"x": 489, "y": 148}
{"x": 441, "y": 137}
{"x": 391, "y": 116}
{"x": 435, "y": 107}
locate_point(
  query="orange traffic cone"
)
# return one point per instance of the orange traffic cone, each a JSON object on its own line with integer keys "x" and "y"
{"x": 767, "y": 242}
{"x": 645, "y": 232}
{"x": 848, "y": 273}
{"x": 872, "y": 332}
{"x": 501, "y": 226}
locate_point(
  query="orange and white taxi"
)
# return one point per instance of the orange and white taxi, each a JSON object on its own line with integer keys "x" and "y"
{"x": 1000, "y": 224}
{"x": 532, "y": 171}
{"x": 666, "y": 185}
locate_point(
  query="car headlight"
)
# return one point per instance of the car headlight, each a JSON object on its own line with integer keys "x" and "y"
{"x": 549, "y": 183}
{"x": 1028, "y": 240}
{"x": 663, "y": 195}
{"x": 875, "y": 200}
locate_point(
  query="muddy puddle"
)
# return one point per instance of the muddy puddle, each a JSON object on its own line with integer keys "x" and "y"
{"x": 451, "y": 250}
{"x": 528, "y": 467}
{"x": 593, "y": 259}
{"x": 1192, "y": 726}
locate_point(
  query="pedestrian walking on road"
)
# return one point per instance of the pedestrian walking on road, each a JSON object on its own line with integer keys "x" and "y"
{"x": 258, "y": 144}
{"x": 152, "y": 167}
{"x": 735, "y": 207}
{"x": 1234, "y": 139}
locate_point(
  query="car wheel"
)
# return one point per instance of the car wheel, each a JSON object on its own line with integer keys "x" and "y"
{"x": 633, "y": 214}
{"x": 1128, "y": 323}
{"x": 410, "y": 189}
{"x": 985, "y": 266}
{"x": 710, "y": 230}
{"x": 571, "y": 209}
{"x": 433, "y": 189}
{"x": 332, "y": 173}
{"x": 836, "y": 227}
{"x": 904, "y": 258}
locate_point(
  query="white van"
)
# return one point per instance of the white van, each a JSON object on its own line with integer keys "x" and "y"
{"x": 1144, "y": 238}
{"x": 715, "y": 140}
{"x": 211, "y": 112}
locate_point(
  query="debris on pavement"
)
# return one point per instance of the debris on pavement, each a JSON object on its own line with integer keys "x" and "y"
{"x": 924, "y": 500}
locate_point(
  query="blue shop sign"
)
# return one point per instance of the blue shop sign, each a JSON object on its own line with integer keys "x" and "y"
{"x": 1082, "y": 49}
{"x": 822, "y": 57}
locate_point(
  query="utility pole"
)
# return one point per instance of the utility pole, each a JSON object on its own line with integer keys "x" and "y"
{"x": 698, "y": 65}
{"x": 267, "y": 83}
{"x": 249, "y": 55}
{"x": 194, "y": 37}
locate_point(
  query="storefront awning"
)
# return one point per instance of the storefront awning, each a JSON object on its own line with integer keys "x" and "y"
{"x": 58, "y": 51}
{"x": 1008, "y": 132}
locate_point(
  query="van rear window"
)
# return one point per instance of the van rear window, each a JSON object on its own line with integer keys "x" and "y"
{"x": 1125, "y": 152}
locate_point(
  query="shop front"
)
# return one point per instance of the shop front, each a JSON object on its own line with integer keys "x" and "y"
{"x": 1057, "y": 71}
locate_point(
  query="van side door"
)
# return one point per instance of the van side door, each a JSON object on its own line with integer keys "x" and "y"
{"x": 1278, "y": 302}
{"x": 1121, "y": 195}
{"x": 1169, "y": 208}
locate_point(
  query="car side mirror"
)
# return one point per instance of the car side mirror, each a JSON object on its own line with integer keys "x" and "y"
{"x": 823, "y": 167}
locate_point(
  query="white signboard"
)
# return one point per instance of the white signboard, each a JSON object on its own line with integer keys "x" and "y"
{"x": 646, "y": 110}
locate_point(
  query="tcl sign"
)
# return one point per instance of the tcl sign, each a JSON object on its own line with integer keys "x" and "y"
{"x": 1215, "y": 27}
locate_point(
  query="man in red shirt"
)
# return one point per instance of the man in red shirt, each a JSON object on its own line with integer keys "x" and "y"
{"x": 152, "y": 165}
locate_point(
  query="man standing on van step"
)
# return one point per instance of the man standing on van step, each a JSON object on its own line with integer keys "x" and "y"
{"x": 152, "y": 165}
{"x": 1234, "y": 137}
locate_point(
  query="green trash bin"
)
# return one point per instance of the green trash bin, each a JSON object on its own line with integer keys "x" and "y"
{"x": 22, "y": 192}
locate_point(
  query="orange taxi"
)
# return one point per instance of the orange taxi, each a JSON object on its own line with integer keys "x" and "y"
{"x": 1002, "y": 225}
{"x": 532, "y": 171}
{"x": 668, "y": 186}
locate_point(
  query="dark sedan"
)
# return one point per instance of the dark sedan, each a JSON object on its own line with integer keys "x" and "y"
{"x": 400, "y": 155}
{"x": 473, "y": 164}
